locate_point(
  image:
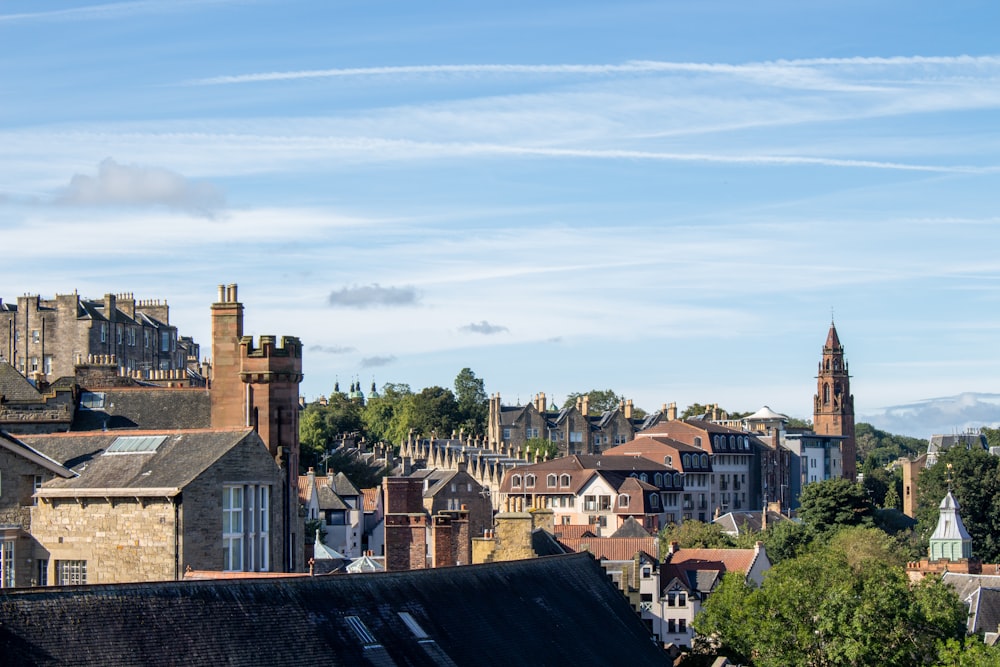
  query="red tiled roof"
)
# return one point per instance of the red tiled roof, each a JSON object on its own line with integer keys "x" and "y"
{"x": 371, "y": 498}
{"x": 733, "y": 560}
{"x": 613, "y": 548}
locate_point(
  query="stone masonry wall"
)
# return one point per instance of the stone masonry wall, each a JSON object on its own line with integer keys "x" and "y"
{"x": 122, "y": 540}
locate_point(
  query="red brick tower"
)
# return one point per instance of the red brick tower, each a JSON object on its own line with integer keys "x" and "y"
{"x": 833, "y": 404}
{"x": 259, "y": 387}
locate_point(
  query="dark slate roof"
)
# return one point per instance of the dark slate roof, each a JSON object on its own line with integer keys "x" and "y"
{"x": 15, "y": 387}
{"x": 181, "y": 457}
{"x": 148, "y": 408}
{"x": 984, "y": 610}
{"x": 631, "y": 528}
{"x": 13, "y": 444}
{"x": 558, "y": 610}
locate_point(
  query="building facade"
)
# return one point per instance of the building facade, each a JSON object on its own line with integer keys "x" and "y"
{"x": 46, "y": 338}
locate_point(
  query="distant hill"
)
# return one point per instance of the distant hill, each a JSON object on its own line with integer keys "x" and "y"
{"x": 950, "y": 414}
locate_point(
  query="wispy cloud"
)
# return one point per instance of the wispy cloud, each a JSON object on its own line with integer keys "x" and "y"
{"x": 630, "y": 67}
{"x": 372, "y": 296}
{"x": 374, "y": 362}
{"x": 134, "y": 185}
{"x": 484, "y": 327}
{"x": 332, "y": 349}
{"x": 110, "y": 10}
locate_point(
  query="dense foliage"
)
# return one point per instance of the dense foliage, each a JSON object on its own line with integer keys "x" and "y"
{"x": 876, "y": 448}
{"x": 845, "y": 602}
{"x": 975, "y": 483}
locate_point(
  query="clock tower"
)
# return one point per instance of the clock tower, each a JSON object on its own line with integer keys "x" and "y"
{"x": 833, "y": 404}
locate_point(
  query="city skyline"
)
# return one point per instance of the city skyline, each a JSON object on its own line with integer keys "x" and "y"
{"x": 670, "y": 200}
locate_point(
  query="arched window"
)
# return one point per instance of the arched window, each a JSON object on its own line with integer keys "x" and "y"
{"x": 668, "y": 461}
{"x": 623, "y": 500}
{"x": 550, "y": 481}
{"x": 715, "y": 441}
{"x": 515, "y": 481}
{"x": 687, "y": 460}
{"x": 704, "y": 460}
{"x": 826, "y": 393}
{"x": 668, "y": 480}
{"x": 697, "y": 441}
{"x": 643, "y": 477}
{"x": 732, "y": 442}
{"x": 654, "y": 501}
{"x": 564, "y": 480}
{"x": 746, "y": 442}
{"x": 658, "y": 479}
{"x": 635, "y": 474}
{"x": 677, "y": 480}
{"x": 529, "y": 481}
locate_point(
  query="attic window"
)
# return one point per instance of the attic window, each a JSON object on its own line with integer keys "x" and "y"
{"x": 412, "y": 624}
{"x": 92, "y": 400}
{"x": 362, "y": 631}
{"x": 135, "y": 444}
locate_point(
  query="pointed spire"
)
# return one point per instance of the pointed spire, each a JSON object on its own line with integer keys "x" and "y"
{"x": 832, "y": 339}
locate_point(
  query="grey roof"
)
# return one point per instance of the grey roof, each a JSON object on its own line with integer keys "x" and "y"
{"x": 148, "y": 408}
{"x": 343, "y": 486}
{"x": 557, "y": 610}
{"x": 966, "y": 584}
{"x": 181, "y": 457}
{"x": 631, "y": 528}
{"x": 984, "y": 610}
{"x": 19, "y": 447}
{"x": 15, "y": 387}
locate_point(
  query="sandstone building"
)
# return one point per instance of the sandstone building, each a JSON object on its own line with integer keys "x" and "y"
{"x": 833, "y": 404}
{"x": 46, "y": 338}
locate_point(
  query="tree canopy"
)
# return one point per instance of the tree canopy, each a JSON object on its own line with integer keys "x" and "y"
{"x": 599, "y": 400}
{"x": 832, "y": 504}
{"x": 472, "y": 402}
{"x": 840, "y": 604}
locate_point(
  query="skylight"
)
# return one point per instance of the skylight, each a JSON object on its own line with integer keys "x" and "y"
{"x": 135, "y": 444}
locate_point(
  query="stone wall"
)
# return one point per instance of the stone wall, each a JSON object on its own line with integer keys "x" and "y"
{"x": 121, "y": 539}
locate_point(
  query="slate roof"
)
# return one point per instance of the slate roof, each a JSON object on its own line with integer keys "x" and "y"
{"x": 557, "y": 610}
{"x": 631, "y": 528}
{"x": 19, "y": 447}
{"x": 734, "y": 523}
{"x": 984, "y": 610}
{"x": 182, "y": 456}
{"x": 15, "y": 387}
{"x": 148, "y": 408}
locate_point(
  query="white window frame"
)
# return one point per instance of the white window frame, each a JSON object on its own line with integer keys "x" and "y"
{"x": 71, "y": 572}
{"x": 7, "y": 564}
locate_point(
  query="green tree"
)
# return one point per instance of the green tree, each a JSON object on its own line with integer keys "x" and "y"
{"x": 992, "y": 436}
{"x": 473, "y": 404}
{"x": 877, "y": 448}
{"x": 975, "y": 483}
{"x": 784, "y": 540}
{"x": 831, "y": 504}
{"x": 967, "y": 652}
{"x": 432, "y": 411}
{"x": 694, "y": 535}
{"x": 383, "y": 416}
{"x": 599, "y": 400}
{"x": 320, "y": 425}
{"x": 822, "y": 609}
{"x": 541, "y": 447}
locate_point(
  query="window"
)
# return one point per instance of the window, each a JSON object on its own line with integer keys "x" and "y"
{"x": 623, "y": 500}
{"x": 668, "y": 461}
{"x": 92, "y": 400}
{"x": 576, "y": 436}
{"x": 34, "y": 364}
{"x": 145, "y": 338}
{"x": 687, "y": 460}
{"x": 246, "y": 527}
{"x": 71, "y": 572}
{"x": 697, "y": 441}
{"x": 506, "y": 434}
{"x": 36, "y": 484}
{"x": 682, "y": 625}
{"x": 605, "y": 503}
{"x": 621, "y": 439}
{"x": 43, "y": 572}
{"x": 550, "y": 481}
{"x": 120, "y": 334}
{"x": 164, "y": 341}
{"x": 104, "y": 332}
{"x": 7, "y": 564}
{"x": 589, "y": 503}
{"x": 529, "y": 481}
{"x": 658, "y": 479}
{"x": 564, "y": 480}
{"x": 515, "y": 481}
{"x": 643, "y": 477}
{"x": 704, "y": 460}
{"x": 671, "y": 626}
{"x": 531, "y": 433}
{"x": 34, "y": 336}
{"x": 47, "y": 364}
{"x": 654, "y": 501}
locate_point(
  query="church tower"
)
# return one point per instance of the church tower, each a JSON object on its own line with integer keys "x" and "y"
{"x": 833, "y": 404}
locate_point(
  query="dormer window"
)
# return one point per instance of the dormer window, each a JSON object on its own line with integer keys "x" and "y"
{"x": 697, "y": 441}
{"x": 658, "y": 479}
{"x": 515, "y": 481}
{"x": 623, "y": 500}
{"x": 564, "y": 480}
{"x": 654, "y": 501}
{"x": 550, "y": 481}
{"x": 529, "y": 481}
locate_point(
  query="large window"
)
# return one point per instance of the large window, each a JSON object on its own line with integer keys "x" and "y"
{"x": 71, "y": 572}
{"x": 7, "y": 564}
{"x": 246, "y": 527}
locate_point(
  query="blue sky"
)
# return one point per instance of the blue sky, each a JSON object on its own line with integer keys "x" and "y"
{"x": 668, "y": 199}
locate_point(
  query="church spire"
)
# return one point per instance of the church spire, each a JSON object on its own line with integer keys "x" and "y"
{"x": 833, "y": 404}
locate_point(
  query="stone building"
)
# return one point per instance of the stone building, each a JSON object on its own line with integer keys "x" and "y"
{"x": 23, "y": 470}
{"x": 833, "y": 404}
{"x": 28, "y": 408}
{"x": 145, "y": 505}
{"x": 573, "y": 429}
{"x": 45, "y": 338}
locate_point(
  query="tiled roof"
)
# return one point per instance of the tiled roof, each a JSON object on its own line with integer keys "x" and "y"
{"x": 445, "y": 616}
{"x": 732, "y": 560}
{"x": 613, "y": 548}
{"x": 371, "y": 497}
{"x": 148, "y": 408}
{"x": 573, "y": 531}
{"x": 181, "y": 457}
{"x": 631, "y": 528}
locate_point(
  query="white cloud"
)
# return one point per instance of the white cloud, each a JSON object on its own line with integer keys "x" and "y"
{"x": 135, "y": 185}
